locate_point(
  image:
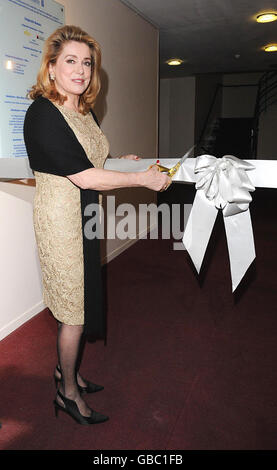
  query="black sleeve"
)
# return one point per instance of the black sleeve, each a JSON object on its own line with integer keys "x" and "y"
{"x": 51, "y": 144}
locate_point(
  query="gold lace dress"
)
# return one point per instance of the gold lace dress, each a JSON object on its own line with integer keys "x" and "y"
{"x": 59, "y": 227}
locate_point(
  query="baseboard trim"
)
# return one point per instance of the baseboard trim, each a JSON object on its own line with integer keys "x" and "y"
{"x": 21, "y": 319}
{"x": 120, "y": 249}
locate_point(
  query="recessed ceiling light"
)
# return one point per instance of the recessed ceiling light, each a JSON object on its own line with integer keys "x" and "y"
{"x": 271, "y": 48}
{"x": 266, "y": 17}
{"x": 174, "y": 61}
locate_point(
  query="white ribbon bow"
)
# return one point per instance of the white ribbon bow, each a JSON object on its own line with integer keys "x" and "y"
{"x": 225, "y": 182}
{"x": 222, "y": 184}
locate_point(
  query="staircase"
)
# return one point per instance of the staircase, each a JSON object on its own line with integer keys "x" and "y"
{"x": 238, "y": 136}
{"x": 266, "y": 97}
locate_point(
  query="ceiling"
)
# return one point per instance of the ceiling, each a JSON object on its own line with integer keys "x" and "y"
{"x": 211, "y": 36}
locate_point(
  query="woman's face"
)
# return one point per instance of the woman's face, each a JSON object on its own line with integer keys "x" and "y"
{"x": 72, "y": 69}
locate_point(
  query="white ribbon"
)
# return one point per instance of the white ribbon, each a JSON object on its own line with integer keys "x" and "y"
{"x": 222, "y": 184}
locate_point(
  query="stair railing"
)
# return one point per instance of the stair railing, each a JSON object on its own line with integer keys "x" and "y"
{"x": 266, "y": 97}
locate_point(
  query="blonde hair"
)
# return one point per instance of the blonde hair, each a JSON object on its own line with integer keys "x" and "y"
{"x": 52, "y": 49}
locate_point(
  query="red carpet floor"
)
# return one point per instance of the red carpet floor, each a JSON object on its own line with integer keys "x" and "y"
{"x": 187, "y": 365}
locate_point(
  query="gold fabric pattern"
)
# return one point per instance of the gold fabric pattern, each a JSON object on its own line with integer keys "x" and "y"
{"x": 58, "y": 226}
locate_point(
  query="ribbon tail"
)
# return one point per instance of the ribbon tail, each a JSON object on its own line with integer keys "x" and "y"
{"x": 199, "y": 228}
{"x": 241, "y": 245}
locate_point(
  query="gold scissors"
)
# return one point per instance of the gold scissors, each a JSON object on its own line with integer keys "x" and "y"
{"x": 172, "y": 171}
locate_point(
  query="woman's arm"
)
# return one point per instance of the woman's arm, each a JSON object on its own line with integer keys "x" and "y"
{"x": 105, "y": 180}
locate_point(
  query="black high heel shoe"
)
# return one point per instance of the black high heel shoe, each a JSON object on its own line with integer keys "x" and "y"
{"x": 90, "y": 387}
{"x": 70, "y": 407}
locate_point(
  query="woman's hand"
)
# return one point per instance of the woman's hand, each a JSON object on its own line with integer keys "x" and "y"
{"x": 130, "y": 157}
{"x": 155, "y": 180}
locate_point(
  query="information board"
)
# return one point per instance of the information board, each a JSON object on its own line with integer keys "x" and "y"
{"x": 24, "y": 27}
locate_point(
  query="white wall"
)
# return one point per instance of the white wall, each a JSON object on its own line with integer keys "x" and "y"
{"x": 177, "y": 114}
{"x": 21, "y": 293}
{"x": 127, "y": 108}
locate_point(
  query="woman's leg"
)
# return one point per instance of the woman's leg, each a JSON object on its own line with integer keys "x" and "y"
{"x": 68, "y": 344}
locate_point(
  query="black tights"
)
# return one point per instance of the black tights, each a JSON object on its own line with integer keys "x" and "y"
{"x": 69, "y": 344}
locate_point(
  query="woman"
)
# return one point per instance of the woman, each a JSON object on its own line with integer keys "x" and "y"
{"x": 67, "y": 151}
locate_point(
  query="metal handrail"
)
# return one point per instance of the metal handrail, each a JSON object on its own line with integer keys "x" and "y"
{"x": 266, "y": 97}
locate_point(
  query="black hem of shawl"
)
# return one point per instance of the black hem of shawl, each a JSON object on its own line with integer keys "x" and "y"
{"x": 94, "y": 315}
